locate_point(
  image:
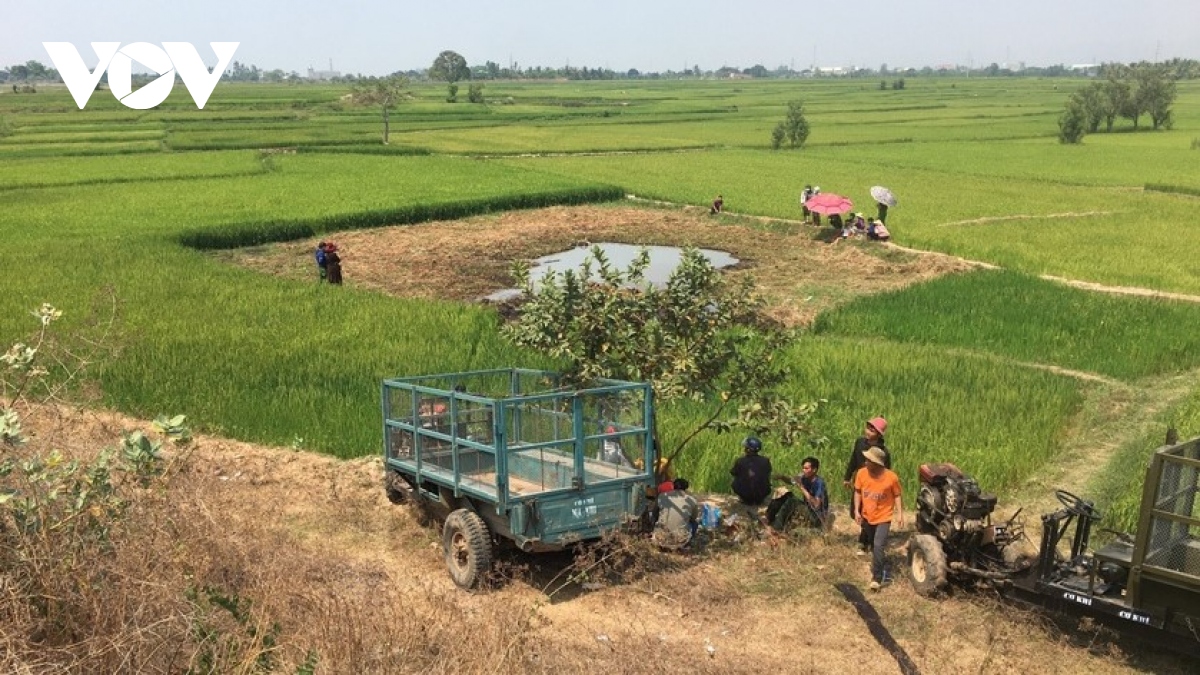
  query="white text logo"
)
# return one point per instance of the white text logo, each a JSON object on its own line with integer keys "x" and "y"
{"x": 179, "y": 56}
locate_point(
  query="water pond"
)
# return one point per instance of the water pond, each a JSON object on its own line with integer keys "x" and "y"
{"x": 663, "y": 261}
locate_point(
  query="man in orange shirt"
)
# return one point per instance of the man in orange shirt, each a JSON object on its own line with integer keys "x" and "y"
{"x": 876, "y": 502}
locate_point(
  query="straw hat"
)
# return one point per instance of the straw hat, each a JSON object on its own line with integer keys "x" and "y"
{"x": 875, "y": 456}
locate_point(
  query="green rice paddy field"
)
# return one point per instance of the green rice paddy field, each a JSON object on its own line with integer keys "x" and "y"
{"x": 102, "y": 207}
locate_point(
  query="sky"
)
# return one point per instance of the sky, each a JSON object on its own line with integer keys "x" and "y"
{"x": 376, "y": 37}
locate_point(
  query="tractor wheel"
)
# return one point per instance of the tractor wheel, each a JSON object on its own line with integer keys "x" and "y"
{"x": 468, "y": 548}
{"x": 926, "y": 564}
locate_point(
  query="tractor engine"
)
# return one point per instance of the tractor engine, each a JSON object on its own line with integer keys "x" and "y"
{"x": 951, "y": 507}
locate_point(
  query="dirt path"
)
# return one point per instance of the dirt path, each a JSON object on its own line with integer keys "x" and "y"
{"x": 1113, "y": 414}
{"x": 1122, "y": 290}
{"x": 1003, "y": 219}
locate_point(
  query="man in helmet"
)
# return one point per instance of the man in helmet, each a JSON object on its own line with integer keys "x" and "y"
{"x": 752, "y": 477}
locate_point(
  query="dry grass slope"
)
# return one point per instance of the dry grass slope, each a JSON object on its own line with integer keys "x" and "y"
{"x": 249, "y": 559}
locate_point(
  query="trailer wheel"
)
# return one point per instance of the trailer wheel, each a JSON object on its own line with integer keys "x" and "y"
{"x": 468, "y": 548}
{"x": 926, "y": 564}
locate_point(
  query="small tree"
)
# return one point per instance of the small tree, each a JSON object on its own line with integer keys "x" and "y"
{"x": 1095, "y": 105}
{"x": 450, "y": 67}
{"x": 777, "y": 136}
{"x": 1072, "y": 124}
{"x": 700, "y": 337}
{"x": 1118, "y": 98}
{"x": 795, "y": 125}
{"x": 1154, "y": 94}
{"x": 452, "y": 94}
{"x": 386, "y": 92}
{"x": 475, "y": 93}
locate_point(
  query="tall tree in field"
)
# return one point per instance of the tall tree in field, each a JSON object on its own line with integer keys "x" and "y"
{"x": 1095, "y": 105}
{"x": 1072, "y": 124}
{"x": 795, "y": 126}
{"x": 1119, "y": 97}
{"x": 1154, "y": 94}
{"x": 450, "y": 67}
{"x": 701, "y": 337}
{"x": 386, "y": 92}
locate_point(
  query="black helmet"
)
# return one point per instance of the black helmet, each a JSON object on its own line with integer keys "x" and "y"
{"x": 752, "y": 444}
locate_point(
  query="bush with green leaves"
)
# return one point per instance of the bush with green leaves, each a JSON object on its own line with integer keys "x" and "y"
{"x": 794, "y": 128}
{"x": 700, "y": 337}
{"x": 59, "y": 514}
{"x": 1072, "y": 124}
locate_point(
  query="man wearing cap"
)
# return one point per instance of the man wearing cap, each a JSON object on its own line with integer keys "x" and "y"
{"x": 872, "y": 438}
{"x": 877, "y": 502}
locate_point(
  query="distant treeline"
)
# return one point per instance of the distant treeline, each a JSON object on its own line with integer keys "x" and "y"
{"x": 1177, "y": 68}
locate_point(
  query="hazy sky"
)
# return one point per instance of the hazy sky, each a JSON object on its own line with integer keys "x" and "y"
{"x": 379, "y": 36}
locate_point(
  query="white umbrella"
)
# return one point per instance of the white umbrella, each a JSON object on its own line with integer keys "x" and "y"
{"x": 883, "y": 196}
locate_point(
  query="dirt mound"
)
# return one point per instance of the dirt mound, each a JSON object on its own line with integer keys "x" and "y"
{"x": 797, "y": 269}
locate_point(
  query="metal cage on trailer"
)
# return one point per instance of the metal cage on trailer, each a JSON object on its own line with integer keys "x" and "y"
{"x": 517, "y": 455}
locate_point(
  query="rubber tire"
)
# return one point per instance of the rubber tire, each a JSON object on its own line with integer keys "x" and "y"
{"x": 926, "y": 565}
{"x": 467, "y": 545}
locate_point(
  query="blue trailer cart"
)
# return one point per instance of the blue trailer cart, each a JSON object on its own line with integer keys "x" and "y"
{"x": 516, "y": 455}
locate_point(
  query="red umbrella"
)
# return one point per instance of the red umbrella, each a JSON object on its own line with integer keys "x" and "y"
{"x": 828, "y": 203}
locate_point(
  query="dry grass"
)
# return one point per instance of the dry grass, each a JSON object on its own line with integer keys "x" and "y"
{"x": 327, "y": 572}
{"x": 468, "y": 259}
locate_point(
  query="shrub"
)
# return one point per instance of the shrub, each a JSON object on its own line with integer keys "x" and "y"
{"x": 777, "y": 136}
{"x": 1072, "y": 124}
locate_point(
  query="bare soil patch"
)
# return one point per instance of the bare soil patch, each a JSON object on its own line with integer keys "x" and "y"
{"x": 353, "y": 580}
{"x": 800, "y": 273}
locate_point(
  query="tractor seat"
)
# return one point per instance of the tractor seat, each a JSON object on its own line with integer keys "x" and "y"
{"x": 933, "y": 474}
{"x": 1117, "y": 552}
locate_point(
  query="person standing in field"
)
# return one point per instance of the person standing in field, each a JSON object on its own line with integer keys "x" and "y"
{"x": 872, "y": 438}
{"x": 806, "y": 195}
{"x": 322, "y": 264}
{"x": 333, "y": 263}
{"x": 877, "y": 501}
{"x": 718, "y": 205}
{"x": 882, "y": 211}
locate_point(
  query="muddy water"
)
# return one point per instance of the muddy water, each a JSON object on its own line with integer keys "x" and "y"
{"x": 663, "y": 261}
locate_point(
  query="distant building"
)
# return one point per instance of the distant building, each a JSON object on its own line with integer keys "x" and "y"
{"x": 323, "y": 75}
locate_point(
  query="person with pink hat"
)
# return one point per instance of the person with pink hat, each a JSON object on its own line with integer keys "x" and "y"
{"x": 872, "y": 438}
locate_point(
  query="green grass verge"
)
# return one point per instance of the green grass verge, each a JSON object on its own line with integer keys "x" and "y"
{"x": 1031, "y": 320}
